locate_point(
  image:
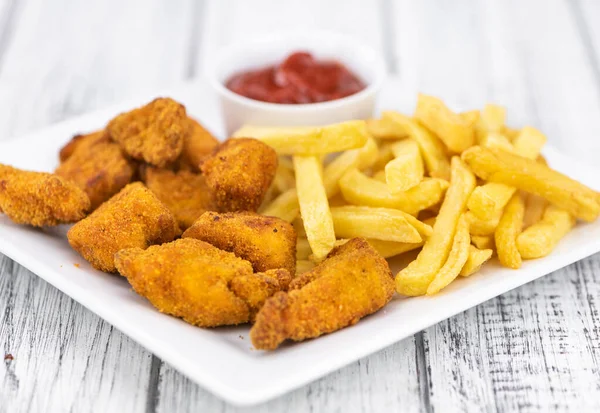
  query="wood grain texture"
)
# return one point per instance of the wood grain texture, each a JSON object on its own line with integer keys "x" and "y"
{"x": 535, "y": 349}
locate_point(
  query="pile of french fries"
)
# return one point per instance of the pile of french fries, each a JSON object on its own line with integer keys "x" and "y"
{"x": 459, "y": 186}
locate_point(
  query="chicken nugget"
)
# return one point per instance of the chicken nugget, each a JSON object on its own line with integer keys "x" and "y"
{"x": 96, "y": 165}
{"x": 254, "y": 289}
{"x": 134, "y": 218}
{"x": 239, "y": 173}
{"x": 185, "y": 193}
{"x": 85, "y": 140}
{"x": 193, "y": 280}
{"x": 197, "y": 144}
{"x": 267, "y": 242}
{"x": 153, "y": 133}
{"x": 40, "y": 199}
{"x": 352, "y": 282}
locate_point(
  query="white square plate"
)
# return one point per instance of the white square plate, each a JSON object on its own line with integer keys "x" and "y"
{"x": 222, "y": 360}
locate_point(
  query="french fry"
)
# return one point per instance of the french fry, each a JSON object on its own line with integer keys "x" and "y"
{"x": 498, "y": 141}
{"x": 534, "y": 209}
{"x": 406, "y": 170}
{"x": 508, "y": 229}
{"x": 510, "y": 133}
{"x": 303, "y": 266}
{"x": 309, "y": 140}
{"x": 416, "y": 277}
{"x": 368, "y": 154}
{"x": 456, "y": 131}
{"x": 359, "y": 189}
{"x": 432, "y": 149}
{"x": 383, "y": 157}
{"x": 388, "y": 249}
{"x": 314, "y": 207}
{"x": 337, "y": 168}
{"x": 284, "y": 179}
{"x": 303, "y": 250}
{"x": 422, "y": 228}
{"x": 380, "y": 176}
{"x": 385, "y": 129}
{"x": 475, "y": 261}
{"x": 459, "y": 253}
{"x": 350, "y": 222}
{"x": 285, "y": 206}
{"x": 483, "y": 242}
{"x": 529, "y": 142}
{"x": 541, "y": 238}
{"x": 492, "y": 120}
{"x": 482, "y": 227}
{"x": 298, "y": 225}
{"x": 487, "y": 200}
{"x": 531, "y": 176}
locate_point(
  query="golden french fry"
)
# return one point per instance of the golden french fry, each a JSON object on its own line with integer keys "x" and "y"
{"x": 286, "y": 162}
{"x": 284, "y": 179}
{"x": 368, "y": 154}
{"x": 350, "y": 222}
{"x": 482, "y": 227}
{"x": 529, "y": 142}
{"x": 530, "y": 176}
{"x": 492, "y": 120}
{"x": 337, "y": 168}
{"x": 380, "y": 176}
{"x": 406, "y": 170}
{"x": 459, "y": 253}
{"x": 498, "y": 141}
{"x": 510, "y": 133}
{"x": 303, "y": 266}
{"x": 314, "y": 207}
{"x": 303, "y": 250}
{"x": 487, "y": 200}
{"x": 422, "y": 228}
{"x": 385, "y": 129}
{"x": 456, "y": 131}
{"x": 416, "y": 277}
{"x": 508, "y": 229}
{"x": 387, "y": 249}
{"x": 359, "y": 189}
{"x": 534, "y": 209}
{"x": 309, "y": 140}
{"x": 475, "y": 261}
{"x": 285, "y": 206}
{"x": 432, "y": 149}
{"x": 483, "y": 242}
{"x": 383, "y": 157}
{"x": 298, "y": 225}
{"x": 540, "y": 239}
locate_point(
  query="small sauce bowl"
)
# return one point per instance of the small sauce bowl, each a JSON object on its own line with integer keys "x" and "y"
{"x": 238, "y": 110}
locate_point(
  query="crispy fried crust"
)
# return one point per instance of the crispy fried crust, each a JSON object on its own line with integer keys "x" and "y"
{"x": 78, "y": 141}
{"x": 198, "y": 144}
{"x": 154, "y": 133}
{"x": 185, "y": 193}
{"x": 267, "y": 242}
{"x": 134, "y": 218}
{"x": 239, "y": 172}
{"x": 193, "y": 280}
{"x": 96, "y": 165}
{"x": 352, "y": 282}
{"x": 40, "y": 199}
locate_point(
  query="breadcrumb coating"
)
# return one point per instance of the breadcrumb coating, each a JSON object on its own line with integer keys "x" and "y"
{"x": 197, "y": 145}
{"x": 267, "y": 242}
{"x": 153, "y": 133}
{"x": 352, "y": 282}
{"x": 132, "y": 218}
{"x": 239, "y": 173}
{"x": 40, "y": 199}
{"x": 96, "y": 165}
{"x": 185, "y": 193}
{"x": 197, "y": 282}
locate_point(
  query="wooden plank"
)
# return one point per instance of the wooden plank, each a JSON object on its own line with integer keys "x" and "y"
{"x": 386, "y": 381}
{"x": 63, "y": 59}
{"x": 533, "y": 349}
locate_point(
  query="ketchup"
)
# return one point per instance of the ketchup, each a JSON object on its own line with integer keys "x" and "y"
{"x": 298, "y": 79}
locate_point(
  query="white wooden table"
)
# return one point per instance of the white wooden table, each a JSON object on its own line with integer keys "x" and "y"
{"x": 534, "y": 349}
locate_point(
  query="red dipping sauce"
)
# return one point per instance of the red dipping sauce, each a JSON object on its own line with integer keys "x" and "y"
{"x": 300, "y": 78}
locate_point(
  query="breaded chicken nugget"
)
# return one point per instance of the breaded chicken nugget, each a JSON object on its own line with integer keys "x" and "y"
{"x": 352, "y": 282}
{"x": 184, "y": 193}
{"x": 267, "y": 242}
{"x": 134, "y": 218}
{"x": 78, "y": 141}
{"x": 40, "y": 199}
{"x": 97, "y": 166}
{"x": 256, "y": 288}
{"x": 198, "y": 144}
{"x": 153, "y": 133}
{"x": 239, "y": 172}
{"x": 193, "y": 280}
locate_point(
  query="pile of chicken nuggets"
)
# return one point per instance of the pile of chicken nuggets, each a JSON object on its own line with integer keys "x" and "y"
{"x": 157, "y": 199}
{"x": 289, "y": 228}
